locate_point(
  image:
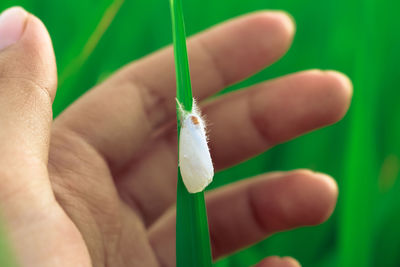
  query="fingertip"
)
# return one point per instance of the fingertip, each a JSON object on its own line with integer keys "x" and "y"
{"x": 38, "y": 55}
{"x": 270, "y": 261}
{"x": 315, "y": 197}
{"x": 275, "y": 29}
{"x": 301, "y": 198}
{"x": 343, "y": 80}
{"x": 36, "y": 35}
{"x": 291, "y": 262}
{"x": 27, "y": 64}
{"x": 344, "y": 91}
{"x": 275, "y": 261}
{"x": 14, "y": 12}
{"x": 12, "y": 25}
{"x": 328, "y": 181}
{"x": 331, "y": 89}
{"x": 328, "y": 193}
{"x": 283, "y": 20}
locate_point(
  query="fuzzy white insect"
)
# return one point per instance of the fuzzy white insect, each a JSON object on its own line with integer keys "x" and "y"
{"x": 194, "y": 156}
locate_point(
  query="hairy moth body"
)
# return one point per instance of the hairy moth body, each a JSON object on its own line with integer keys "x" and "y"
{"x": 194, "y": 156}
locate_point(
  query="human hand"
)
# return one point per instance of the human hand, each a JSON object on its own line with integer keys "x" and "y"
{"x": 97, "y": 186}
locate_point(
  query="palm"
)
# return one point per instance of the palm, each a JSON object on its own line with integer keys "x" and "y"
{"x": 112, "y": 156}
{"x": 114, "y": 233}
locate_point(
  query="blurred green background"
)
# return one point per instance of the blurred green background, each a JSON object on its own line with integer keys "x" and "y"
{"x": 93, "y": 38}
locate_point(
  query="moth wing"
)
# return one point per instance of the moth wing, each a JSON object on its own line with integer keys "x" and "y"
{"x": 194, "y": 158}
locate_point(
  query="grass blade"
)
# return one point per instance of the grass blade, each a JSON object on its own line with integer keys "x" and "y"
{"x": 70, "y": 74}
{"x": 359, "y": 188}
{"x": 192, "y": 234}
{"x": 92, "y": 42}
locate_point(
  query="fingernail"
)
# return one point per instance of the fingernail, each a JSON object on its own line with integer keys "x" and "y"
{"x": 12, "y": 24}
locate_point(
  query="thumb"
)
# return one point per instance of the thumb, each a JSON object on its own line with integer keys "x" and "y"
{"x": 27, "y": 88}
{"x": 27, "y": 84}
{"x": 40, "y": 232}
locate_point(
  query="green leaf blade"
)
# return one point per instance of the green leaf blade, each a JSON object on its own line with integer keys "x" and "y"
{"x": 192, "y": 233}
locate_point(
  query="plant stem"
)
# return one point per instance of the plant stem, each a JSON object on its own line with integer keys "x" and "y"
{"x": 192, "y": 234}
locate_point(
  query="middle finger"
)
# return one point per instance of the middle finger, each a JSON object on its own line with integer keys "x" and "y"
{"x": 241, "y": 125}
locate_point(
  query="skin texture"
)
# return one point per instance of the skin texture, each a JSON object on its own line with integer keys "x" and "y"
{"x": 97, "y": 186}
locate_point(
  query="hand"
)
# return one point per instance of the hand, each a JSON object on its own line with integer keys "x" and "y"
{"x": 97, "y": 186}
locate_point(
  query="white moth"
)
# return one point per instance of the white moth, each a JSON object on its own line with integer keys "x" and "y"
{"x": 194, "y": 156}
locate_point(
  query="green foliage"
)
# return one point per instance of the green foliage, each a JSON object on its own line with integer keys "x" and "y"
{"x": 358, "y": 37}
{"x": 192, "y": 234}
{"x": 6, "y": 255}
